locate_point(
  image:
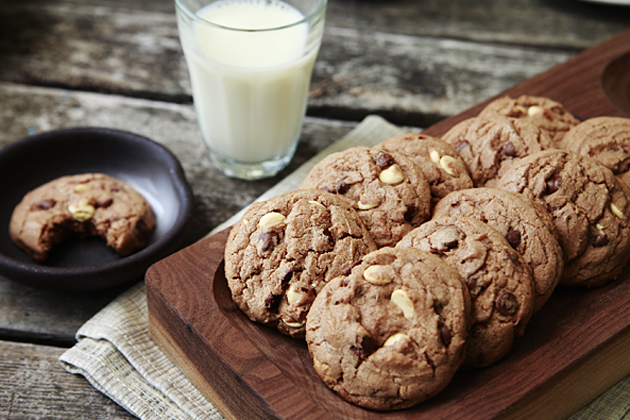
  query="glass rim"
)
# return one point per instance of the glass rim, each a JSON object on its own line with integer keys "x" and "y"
{"x": 193, "y": 15}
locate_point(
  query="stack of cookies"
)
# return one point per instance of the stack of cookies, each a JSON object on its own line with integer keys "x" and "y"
{"x": 402, "y": 263}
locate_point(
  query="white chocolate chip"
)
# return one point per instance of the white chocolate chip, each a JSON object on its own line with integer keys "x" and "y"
{"x": 368, "y": 206}
{"x": 374, "y": 274}
{"x": 293, "y": 324}
{"x": 521, "y": 108}
{"x": 316, "y": 203}
{"x": 392, "y": 175}
{"x": 82, "y": 211}
{"x": 447, "y": 164}
{"x": 271, "y": 219}
{"x": 435, "y": 156}
{"x": 293, "y": 296}
{"x": 599, "y": 227}
{"x": 401, "y": 299}
{"x": 617, "y": 212}
{"x": 81, "y": 188}
{"x": 245, "y": 222}
{"x": 534, "y": 110}
{"x": 393, "y": 339}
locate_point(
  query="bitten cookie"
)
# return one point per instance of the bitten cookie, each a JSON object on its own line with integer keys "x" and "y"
{"x": 81, "y": 205}
{"x": 546, "y": 113}
{"x": 605, "y": 139}
{"x": 589, "y": 207}
{"x": 391, "y": 333}
{"x": 283, "y": 251}
{"x": 442, "y": 166}
{"x": 497, "y": 277}
{"x": 490, "y": 145}
{"x": 388, "y": 190}
{"x": 526, "y": 225}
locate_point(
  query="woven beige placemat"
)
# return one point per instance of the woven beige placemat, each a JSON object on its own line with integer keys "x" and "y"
{"x": 117, "y": 356}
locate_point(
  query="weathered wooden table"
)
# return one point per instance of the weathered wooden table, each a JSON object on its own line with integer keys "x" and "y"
{"x": 119, "y": 64}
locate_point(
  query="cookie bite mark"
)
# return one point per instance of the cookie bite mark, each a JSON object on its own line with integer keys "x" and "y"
{"x": 81, "y": 205}
{"x": 388, "y": 190}
{"x": 375, "y": 336}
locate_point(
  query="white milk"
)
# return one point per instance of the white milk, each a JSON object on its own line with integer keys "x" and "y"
{"x": 250, "y": 88}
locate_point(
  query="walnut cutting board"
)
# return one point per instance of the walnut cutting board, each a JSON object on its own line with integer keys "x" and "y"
{"x": 576, "y": 347}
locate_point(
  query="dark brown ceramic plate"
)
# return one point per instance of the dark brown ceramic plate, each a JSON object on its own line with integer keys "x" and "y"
{"x": 84, "y": 265}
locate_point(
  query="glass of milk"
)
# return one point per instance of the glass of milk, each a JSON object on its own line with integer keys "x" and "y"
{"x": 250, "y": 65}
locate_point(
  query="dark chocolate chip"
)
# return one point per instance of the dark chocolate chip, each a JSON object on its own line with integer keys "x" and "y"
{"x": 103, "y": 204}
{"x": 445, "y": 334}
{"x": 44, "y": 204}
{"x": 471, "y": 282}
{"x": 348, "y": 269}
{"x": 506, "y": 304}
{"x": 272, "y": 301}
{"x": 600, "y": 240}
{"x": 451, "y": 244}
{"x": 287, "y": 277}
{"x": 438, "y": 307}
{"x": 341, "y": 187}
{"x": 269, "y": 241}
{"x": 513, "y": 237}
{"x": 553, "y": 184}
{"x": 461, "y": 145}
{"x": 385, "y": 160}
{"x": 509, "y": 150}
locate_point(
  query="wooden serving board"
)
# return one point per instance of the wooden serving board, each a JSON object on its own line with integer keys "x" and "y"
{"x": 576, "y": 347}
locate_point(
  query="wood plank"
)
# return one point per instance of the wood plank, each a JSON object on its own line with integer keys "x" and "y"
{"x": 573, "y": 349}
{"x": 28, "y": 314}
{"x": 366, "y": 64}
{"x": 34, "y": 385}
{"x": 555, "y": 24}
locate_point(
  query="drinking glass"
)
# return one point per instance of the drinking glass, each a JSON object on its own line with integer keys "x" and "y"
{"x": 250, "y": 64}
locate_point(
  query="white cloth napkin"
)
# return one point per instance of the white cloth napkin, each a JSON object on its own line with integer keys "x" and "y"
{"x": 116, "y": 354}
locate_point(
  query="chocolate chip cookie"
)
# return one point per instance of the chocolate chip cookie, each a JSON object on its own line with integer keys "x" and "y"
{"x": 283, "y": 251}
{"x": 546, "y": 113}
{"x": 388, "y": 190}
{"x": 589, "y": 207}
{"x": 489, "y": 145}
{"x": 390, "y": 333}
{"x": 605, "y": 139}
{"x": 526, "y": 225}
{"x": 81, "y": 205}
{"x": 442, "y": 166}
{"x": 498, "y": 279}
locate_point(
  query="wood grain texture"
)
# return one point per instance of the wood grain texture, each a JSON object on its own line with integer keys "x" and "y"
{"x": 34, "y": 386}
{"x": 414, "y": 63}
{"x": 573, "y": 349}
